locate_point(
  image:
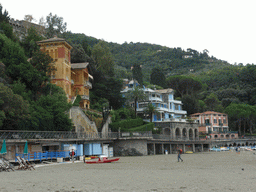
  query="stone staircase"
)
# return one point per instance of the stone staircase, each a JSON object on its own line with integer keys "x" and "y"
{"x": 81, "y": 122}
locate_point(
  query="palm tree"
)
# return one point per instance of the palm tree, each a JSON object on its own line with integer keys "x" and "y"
{"x": 151, "y": 109}
{"x": 136, "y": 94}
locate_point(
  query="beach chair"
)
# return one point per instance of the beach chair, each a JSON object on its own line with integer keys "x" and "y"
{"x": 21, "y": 164}
{"x": 6, "y": 165}
{"x": 28, "y": 164}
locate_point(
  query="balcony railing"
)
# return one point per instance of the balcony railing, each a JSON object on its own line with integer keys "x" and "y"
{"x": 85, "y": 97}
{"x": 88, "y": 84}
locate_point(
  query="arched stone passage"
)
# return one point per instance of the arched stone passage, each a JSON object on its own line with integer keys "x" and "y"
{"x": 232, "y": 136}
{"x": 191, "y": 134}
{"x": 167, "y": 131}
{"x": 177, "y": 133}
{"x": 234, "y": 144}
{"x": 222, "y": 136}
{"x": 227, "y": 136}
{"x": 238, "y": 145}
{"x": 184, "y": 133}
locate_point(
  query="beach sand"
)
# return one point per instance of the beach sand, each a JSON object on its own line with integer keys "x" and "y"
{"x": 209, "y": 171}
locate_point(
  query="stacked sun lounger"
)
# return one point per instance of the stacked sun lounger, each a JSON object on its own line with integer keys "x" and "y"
{"x": 5, "y": 165}
{"x": 24, "y": 164}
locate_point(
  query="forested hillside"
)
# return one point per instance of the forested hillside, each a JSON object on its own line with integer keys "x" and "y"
{"x": 201, "y": 81}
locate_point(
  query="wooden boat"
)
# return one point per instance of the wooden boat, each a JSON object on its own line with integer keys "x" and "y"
{"x": 103, "y": 160}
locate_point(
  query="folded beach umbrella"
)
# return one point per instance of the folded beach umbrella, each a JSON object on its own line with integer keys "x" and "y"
{"x": 26, "y": 148}
{"x": 3, "y": 150}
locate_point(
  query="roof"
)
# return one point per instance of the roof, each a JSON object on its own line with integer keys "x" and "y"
{"x": 208, "y": 113}
{"x": 79, "y": 65}
{"x": 54, "y": 39}
{"x": 164, "y": 90}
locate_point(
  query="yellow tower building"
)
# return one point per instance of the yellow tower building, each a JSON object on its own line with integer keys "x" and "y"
{"x": 72, "y": 78}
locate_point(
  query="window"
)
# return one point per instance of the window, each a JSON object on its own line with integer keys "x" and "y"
{"x": 224, "y": 121}
{"x": 220, "y": 121}
{"x": 215, "y": 120}
{"x": 207, "y": 121}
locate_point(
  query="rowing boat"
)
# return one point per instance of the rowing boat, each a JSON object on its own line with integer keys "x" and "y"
{"x": 103, "y": 160}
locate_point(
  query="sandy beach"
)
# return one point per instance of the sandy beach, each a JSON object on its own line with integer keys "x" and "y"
{"x": 210, "y": 171}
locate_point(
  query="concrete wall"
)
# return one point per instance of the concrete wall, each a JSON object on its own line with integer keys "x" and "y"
{"x": 131, "y": 147}
{"x": 81, "y": 121}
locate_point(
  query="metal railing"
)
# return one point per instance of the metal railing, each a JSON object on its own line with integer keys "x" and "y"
{"x": 135, "y": 134}
{"x": 86, "y": 97}
{"x": 19, "y": 135}
{"x": 88, "y": 84}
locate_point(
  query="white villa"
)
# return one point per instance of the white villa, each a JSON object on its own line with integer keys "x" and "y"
{"x": 168, "y": 108}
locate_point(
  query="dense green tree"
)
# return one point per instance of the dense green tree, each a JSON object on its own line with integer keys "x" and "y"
{"x": 4, "y": 16}
{"x": 135, "y": 95}
{"x": 16, "y": 64}
{"x": 49, "y": 112}
{"x": 13, "y": 109}
{"x": 29, "y": 42}
{"x": 157, "y": 77}
{"x": 248, "y": 75}
{"x": 103, "y": 58}
{"x": 184, "y": 85}
{"x": 55, "y": 25}
{"x": 190, "y": 104}
{"x": 109, "y": 89}
{"x": 78, "y": 54}
{"x": 212, "y": 103}
{"x": 151, "y": 110}
{"x": 137, "y": 73}
{"x": 241, "y": 114}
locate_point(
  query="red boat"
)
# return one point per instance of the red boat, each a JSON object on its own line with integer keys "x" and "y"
{"x": 103, "y": 160}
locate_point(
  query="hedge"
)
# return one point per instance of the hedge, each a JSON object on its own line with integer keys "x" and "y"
{"x": 126, "y": 124}
{"x": 77, "y": 101}
{"x": 146, "y": 127}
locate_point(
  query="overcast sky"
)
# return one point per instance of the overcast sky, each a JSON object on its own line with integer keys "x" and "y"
{"x": 226, "y": 28}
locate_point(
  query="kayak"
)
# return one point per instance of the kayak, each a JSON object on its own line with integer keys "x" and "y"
{"x": 103, "y": 160}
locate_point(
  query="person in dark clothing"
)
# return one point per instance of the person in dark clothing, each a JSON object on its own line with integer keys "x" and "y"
{"x": 72, "y": 154}
{"x": 179, "y": 154}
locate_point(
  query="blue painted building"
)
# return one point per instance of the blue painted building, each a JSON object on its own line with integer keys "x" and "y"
{"x": 163, "y": 99}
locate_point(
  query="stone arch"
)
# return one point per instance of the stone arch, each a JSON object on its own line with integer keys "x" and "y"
{"x": 184, "y": 133}
{"x": 238, "y": 145}
{"x": 234, "y": 144}
{"x": 167, "y": 131}
{"x": 215, "y": 136}
{"x": 177, "y": 133}
{"x": 222, "y": 136}
{"x": 191, "y": 134}
{"x": 242, "y": 144}
{"x": 232, "y": 136}
{"x": 230, "y": 145}
{"x": 246, "y": 143}
{"x": 227, "y": 136}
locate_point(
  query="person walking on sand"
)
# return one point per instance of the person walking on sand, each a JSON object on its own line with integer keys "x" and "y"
{"x": 179, "y": 154}
{"x": 72, "y": 154}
